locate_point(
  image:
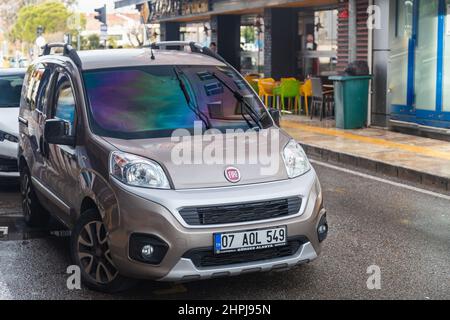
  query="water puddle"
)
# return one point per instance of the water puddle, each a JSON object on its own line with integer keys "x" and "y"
{"x": 14, "y": 228}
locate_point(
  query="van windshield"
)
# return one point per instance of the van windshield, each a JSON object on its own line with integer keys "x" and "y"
{"x": 151, "y": 102}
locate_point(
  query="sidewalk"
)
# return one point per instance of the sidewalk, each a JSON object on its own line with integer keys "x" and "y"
{"x": 415, "y": 159}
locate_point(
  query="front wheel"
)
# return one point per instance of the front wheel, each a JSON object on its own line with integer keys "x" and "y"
{"x": 90, "y": 251}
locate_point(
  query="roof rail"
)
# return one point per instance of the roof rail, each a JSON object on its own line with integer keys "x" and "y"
{"x": 68, "y": 51}
{"x": 195, "y": 48}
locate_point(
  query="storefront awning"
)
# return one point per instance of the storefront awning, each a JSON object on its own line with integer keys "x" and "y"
{"x": 233, "y": 7}
{"x": 126, "y": 3}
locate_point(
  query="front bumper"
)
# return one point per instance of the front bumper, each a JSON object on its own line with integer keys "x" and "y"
{"x": 8, "y": 149}
{"x": 155, "y": 212}
{"x": 8, "y": 163}
{"x": 185, "y": 270}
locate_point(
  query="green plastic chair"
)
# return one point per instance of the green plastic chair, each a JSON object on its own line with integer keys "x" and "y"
{"x": 290, "y": 89}
{"x": 277, "y": 95}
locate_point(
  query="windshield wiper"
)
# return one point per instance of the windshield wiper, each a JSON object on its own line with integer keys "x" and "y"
{"x": 191, "y": 105}
{"x": 252, "y": 113}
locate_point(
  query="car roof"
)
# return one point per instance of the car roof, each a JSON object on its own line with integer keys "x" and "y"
{"x": 113, "y": 58}
{"x": 12, "y": 72}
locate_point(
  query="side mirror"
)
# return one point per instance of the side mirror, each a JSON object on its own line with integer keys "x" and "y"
{"x": 57, "y": 132}
{"x": 276, "y": 115}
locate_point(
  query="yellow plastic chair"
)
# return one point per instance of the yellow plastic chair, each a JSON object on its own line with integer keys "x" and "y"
{"x": 306, "y": 91}
{"x": 265, "y": 88}
{"x": 250, "y": 78}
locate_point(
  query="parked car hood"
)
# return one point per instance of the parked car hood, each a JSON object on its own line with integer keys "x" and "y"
{"x": 8, "y": 120}
{"x": 190, "y": 175}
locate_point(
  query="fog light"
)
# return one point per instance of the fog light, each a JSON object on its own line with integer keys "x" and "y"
{"x": 322, "y": 229}
{"x": 147, "y": 248}
{"x": 147, "y": 251}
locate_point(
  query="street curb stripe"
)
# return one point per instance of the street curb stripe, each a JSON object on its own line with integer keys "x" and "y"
{"x": 376, "y": 141}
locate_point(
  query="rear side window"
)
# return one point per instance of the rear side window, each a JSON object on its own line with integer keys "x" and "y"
{"x": 10, "y": 89}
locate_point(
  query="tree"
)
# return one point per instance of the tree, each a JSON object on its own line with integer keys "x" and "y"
{"x": 84, "y": 43}
{"x": 9, "y": 10}
{"x": 94, "y": 42}
{"x": 248, "y": 33}
{"x": 134, "y": 34}
{"x": 112, "y": 43}
{"x": 50, "y": 15}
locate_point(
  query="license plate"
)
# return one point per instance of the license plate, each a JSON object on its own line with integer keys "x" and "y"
{"x": 250, "y": 240}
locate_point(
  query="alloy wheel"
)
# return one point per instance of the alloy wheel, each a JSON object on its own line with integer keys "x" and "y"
{"x": 94, "y": 253}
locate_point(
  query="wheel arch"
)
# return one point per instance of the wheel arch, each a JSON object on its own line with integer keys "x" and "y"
{"x": 22, "y": 163}
{"x": 98, "y": 194}
{"x": 88, "y": 203}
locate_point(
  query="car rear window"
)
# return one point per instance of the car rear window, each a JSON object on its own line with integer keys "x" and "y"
{"x": 10, "y": 90}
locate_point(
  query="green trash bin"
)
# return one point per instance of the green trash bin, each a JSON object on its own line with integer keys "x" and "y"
{"x": 351, "y": 97}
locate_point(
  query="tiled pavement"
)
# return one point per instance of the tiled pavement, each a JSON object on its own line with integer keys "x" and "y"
{"x": 416, "y": 159}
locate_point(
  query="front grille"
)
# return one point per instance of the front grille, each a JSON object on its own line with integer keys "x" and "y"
{"x": 207, "y": 257}
{"x": 241, "y": 212}
{"x": 8, "y": 165}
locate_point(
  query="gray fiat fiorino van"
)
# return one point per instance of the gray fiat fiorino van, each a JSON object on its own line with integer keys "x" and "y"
{"x": 104, "y": 148}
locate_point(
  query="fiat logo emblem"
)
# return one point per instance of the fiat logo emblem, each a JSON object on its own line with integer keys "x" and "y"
{"x": 232, "y": 174}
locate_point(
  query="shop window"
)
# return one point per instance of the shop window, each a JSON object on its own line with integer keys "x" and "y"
{"x": 318, "y": 38}
{"x": 196, "y": 32}
{"x": 446, "y": 84}
{"x": 252, "y": 44}
{"x": 399, "y": 51}
{"x": 426, "y": 55}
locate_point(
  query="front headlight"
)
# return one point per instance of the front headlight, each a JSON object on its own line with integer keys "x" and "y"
{"x": 295, "y": 160}
{"x": 9, "y": 137}
{"x": 137, "y": 171}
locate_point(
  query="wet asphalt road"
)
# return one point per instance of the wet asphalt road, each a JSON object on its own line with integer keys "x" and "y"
{"x": 404, "y": 232}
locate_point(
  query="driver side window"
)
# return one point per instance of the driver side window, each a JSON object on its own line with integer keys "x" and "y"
{"x": 65, "y": 104}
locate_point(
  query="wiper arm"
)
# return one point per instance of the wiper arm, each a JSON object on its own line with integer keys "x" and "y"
{"x": 255, "y": 117}
{"x": 190, "y": 104}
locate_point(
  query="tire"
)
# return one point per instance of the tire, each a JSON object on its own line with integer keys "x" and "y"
{"x": 34, "y": 214}
{"x": 90, "y": 251}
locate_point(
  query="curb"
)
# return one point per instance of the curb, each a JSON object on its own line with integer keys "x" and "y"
{"x": 386, "y": 169}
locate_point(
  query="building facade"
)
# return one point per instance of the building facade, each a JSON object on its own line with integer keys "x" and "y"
{"x": 124, "y": 29}
{"x": 408, "y": 48}
{"x": 268, "y": 37}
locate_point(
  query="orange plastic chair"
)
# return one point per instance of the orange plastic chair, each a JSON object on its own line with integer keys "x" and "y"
{"x": 250, "y": 78}
{"x": 265, "y": 88}
{"x": 306, "y": 91}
